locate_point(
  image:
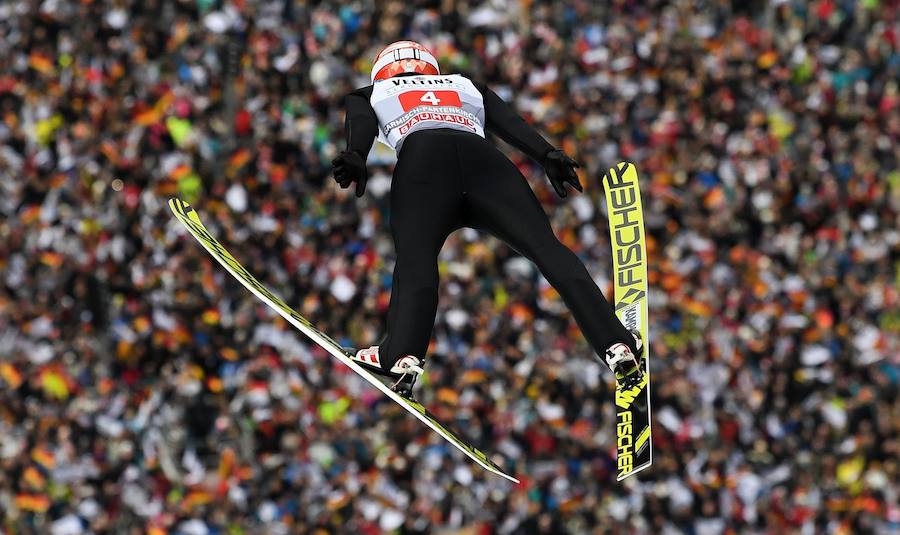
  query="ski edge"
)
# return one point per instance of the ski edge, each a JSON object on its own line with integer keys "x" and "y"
{"x": 626, "y": 172}
{"x": 188, "y": 217}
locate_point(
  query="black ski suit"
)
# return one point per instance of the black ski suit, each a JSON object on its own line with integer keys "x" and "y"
{"x": 447, "y": 179}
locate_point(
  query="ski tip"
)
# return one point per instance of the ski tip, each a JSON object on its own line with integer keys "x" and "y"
{"x": 176, "y": 203}
{"x": 616, "y": 172}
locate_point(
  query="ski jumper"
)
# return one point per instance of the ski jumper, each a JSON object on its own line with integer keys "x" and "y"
{"x": 448, "y": 176}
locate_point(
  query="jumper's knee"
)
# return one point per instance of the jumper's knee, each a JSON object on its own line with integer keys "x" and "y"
{"x": 557, "y": 262}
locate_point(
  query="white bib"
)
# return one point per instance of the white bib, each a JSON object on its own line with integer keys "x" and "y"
{"x": 411, "y": 103}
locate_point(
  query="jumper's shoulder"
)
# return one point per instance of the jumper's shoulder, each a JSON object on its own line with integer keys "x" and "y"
{"x": 479, "y": 85}
{"x": 364, "y": 92}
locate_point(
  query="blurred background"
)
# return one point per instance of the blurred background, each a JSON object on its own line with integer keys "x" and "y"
{"x": 142, "y": 390}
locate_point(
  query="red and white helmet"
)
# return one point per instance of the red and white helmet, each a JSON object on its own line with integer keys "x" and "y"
{"x": 402, "y": 57}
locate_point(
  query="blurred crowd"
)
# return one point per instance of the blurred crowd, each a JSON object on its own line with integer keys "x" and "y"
{"x": 143, "y": 390}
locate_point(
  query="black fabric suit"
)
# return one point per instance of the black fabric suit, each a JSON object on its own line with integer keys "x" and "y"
{"x": 447, "y": 179}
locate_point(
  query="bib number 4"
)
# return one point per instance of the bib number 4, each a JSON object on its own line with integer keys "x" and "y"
{"x": 413, "y": 99}
{"x": 430, "y": 98}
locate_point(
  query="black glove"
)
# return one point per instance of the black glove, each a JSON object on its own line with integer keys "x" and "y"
{"x": 561, "y": 169}
{"x": 350, "y": 166}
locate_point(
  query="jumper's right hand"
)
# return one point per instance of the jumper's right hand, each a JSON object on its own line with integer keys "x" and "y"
{"x": 349, "y": 166}
{"x": 561, "y": 171}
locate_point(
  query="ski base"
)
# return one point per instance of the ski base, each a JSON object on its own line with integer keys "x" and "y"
{"x": 634, "y": 444}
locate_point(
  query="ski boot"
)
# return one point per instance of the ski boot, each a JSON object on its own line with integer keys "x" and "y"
{"x": 404, "y": 372}
{"x": 624, "y": 363}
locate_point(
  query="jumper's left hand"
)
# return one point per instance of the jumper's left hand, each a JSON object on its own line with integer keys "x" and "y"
{"x": 349, "y": 167}
{"x": 560, "y": 169}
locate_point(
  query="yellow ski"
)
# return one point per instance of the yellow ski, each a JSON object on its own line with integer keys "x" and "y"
{"x": 189, "y": 218}
{"x": 634, "y": 444}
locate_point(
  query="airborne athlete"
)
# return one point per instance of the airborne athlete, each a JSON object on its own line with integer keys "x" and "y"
{"x": 448, "y": 176}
